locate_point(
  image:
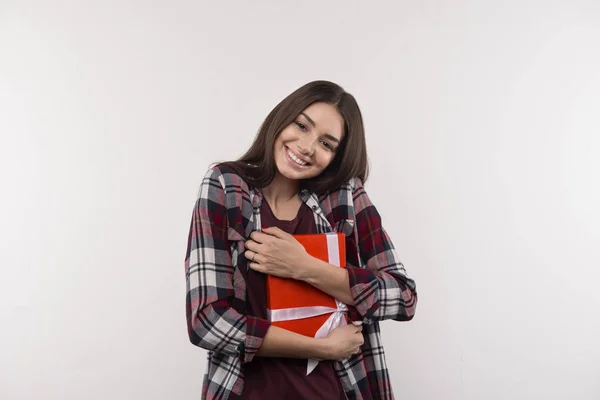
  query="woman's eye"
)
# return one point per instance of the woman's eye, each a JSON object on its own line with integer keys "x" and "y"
{"x": 301, "y": 126}
{"x": 327, "y": 145}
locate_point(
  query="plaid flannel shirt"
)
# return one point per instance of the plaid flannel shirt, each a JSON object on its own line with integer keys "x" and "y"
{"x": 226, "y": 212}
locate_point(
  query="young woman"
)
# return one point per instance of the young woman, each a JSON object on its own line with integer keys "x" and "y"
{"x": 304, "y": 173}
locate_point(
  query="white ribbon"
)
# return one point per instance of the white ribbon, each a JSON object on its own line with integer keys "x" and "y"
{"x": 335, "y": 320}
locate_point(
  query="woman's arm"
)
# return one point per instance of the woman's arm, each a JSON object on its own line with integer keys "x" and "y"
{"x": 280, "y": 342}
{"x": 328, "y": 278}
{"x": 215, "y": 321}
{"x": 341, "y": 343}
{"x": 381, "y": 290}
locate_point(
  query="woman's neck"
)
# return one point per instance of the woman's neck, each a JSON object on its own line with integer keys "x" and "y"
{"x": 281, "y": 190}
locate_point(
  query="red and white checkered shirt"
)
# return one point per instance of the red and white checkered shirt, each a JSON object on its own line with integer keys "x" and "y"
{"x": 226, "y": 212}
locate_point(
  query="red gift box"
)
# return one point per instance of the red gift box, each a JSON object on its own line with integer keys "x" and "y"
{"x": 300, "y": 307}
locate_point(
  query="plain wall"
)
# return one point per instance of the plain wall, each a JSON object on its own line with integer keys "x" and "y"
{"x": 483, "y": 132}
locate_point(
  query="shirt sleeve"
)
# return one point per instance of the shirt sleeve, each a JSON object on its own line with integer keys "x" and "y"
{"x": 215, "y": 317}
{"x": 382, "y": 289}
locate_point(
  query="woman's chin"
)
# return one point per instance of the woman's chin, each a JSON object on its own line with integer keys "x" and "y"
{"x": 294, "y": 174}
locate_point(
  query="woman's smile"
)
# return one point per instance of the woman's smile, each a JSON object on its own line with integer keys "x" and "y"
{"x": 295, "y": 159}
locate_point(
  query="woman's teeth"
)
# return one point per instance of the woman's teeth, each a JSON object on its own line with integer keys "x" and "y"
{"x": 296, "y": 159}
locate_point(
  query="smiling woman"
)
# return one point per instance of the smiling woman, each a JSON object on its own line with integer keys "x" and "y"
{"x": 303, "y": 174}
{"x": 305, "y": 148}
{"x": 318, "y": 116}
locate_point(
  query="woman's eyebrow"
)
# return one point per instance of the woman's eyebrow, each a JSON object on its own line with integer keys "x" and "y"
{"x": 332, "y": 138}
{"x": 309, "y": 119}
{"x": 329, "y": 136}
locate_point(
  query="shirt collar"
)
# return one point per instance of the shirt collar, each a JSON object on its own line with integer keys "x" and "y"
{"x": 309, "y": 198}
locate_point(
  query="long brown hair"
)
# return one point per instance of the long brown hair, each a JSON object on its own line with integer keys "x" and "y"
{"x": 257, "y": 165}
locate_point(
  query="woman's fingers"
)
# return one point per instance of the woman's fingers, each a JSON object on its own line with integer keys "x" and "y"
{"x": 252, "y": 245}
{"x": 251, "y": 255}
{"x": 278, "y": 233}
{"x": 260, "y": 237}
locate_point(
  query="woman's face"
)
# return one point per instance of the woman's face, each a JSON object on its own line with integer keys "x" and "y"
{"x": 308, "y": 145}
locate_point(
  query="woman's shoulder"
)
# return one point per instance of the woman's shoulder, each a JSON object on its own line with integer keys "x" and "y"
{"x": 350, "y": 196}
{"x": 227, "y": 176}
{"x": 349, "y": 187}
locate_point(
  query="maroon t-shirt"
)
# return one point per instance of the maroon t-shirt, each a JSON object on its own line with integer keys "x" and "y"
{"x": 285, "y": 378}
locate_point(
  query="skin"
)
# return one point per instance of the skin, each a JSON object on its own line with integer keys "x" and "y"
{"x": 313, "y": 138}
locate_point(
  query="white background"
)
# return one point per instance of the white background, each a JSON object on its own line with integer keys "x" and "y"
{"x": 483, "y": 131}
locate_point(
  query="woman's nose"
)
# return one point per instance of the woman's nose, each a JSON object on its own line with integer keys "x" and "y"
{"x": 306, "y": 147}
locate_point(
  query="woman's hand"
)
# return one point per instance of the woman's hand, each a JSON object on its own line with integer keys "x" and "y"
{"x": 344, "y": 341}
{"x": 275, "y": 252}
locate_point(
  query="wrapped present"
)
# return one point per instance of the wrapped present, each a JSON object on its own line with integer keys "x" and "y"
{"x": 300, "y": 307}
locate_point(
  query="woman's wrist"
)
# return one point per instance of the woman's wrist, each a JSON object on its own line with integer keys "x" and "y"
{"x": 280, "y": 342}
{"x": 328, "y": 278}
{"x": 308, "y": 269}
{"x": 323, "y": 349}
